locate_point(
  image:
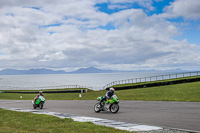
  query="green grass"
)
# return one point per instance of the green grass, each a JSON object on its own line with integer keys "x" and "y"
{"x": 189, "y": 92}
{"x": 90, "y": 95}
{"x": 179, "y": 92}
{"x": 23, "y": 122}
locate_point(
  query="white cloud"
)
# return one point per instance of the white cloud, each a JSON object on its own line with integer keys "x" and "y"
{"x": 147, "y": 4}
{"x": 30, "y": 37}
{"x": 189, "y": 9}
{"x": 116, "y": 6}
{"x": 55, "y": 56}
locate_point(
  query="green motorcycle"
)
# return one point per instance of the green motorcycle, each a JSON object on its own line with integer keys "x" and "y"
{"x": 39, "y": 102}
{"x": 111, "y": 105}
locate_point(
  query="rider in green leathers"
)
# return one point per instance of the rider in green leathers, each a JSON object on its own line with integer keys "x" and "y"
{"x": 108, "y": 95}
{"x": 40, "y": 94}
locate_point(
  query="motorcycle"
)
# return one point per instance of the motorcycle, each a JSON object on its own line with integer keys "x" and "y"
{"x": 111, "y": 105}
{"x": 39, "y": 102}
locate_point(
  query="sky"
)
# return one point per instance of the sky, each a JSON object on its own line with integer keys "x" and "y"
{"x": 107, "y": 34}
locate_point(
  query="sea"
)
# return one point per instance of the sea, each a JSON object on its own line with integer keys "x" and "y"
{"x": 94, "y": 81}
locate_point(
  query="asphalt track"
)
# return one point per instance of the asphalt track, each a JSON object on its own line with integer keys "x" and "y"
{"x": 181, "y": 115}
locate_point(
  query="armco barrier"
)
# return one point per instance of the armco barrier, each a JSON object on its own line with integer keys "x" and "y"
{"x": 157, "y": 84}
{"x": 153, "y": 78}
{"x": 45, "y": 87}
{"x": 63, "y": 91}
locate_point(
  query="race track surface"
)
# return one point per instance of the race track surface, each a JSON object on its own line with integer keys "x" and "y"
{"x": 181, "y": 115}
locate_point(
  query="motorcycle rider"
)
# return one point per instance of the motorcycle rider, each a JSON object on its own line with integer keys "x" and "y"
{"x": 108, "y": 95}
{"x": 40, "y": 94}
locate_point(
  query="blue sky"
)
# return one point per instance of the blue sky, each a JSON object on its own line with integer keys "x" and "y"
{"x": 191, "y": 32}
{"x": 107, "y": 34}
{"x": 159, "y": 6}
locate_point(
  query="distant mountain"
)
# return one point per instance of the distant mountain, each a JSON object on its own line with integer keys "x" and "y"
{"x": 81, "y": 70}
{"x": 11, "y": 72}
{"x": 30, "y": 71}
{"x": 92, "y": 70}
{"x": 45, "y": 71}
{"x": 49, "y": 71}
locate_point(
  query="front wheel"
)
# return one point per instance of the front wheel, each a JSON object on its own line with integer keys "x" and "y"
{"x": 34, "y": 106}
{"x": 97, "y": 107}
{"x": 114, "y": 108}
{"x": 41, "y": 105}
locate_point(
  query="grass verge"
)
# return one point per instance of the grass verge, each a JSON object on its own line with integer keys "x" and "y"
{"x": 188, "y": 92}
{"x": 23, "y": 122}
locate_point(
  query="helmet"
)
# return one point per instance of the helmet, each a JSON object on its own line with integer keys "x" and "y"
{"x": 112, "y": 90}
{"x": 40, "y": 92}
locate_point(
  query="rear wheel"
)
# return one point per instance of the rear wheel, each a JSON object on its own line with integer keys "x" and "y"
{"x": 97, "y": 107}
{"x": 114, "y": 108}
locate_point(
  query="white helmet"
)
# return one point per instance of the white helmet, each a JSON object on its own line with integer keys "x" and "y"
{"x": 112, "y": 90}
{"x": 40, "y": 92}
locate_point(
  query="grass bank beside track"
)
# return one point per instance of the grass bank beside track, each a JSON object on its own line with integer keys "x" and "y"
{"x": 186, "y": 92}
{"x": 189, "y": 92}
{"x": 23, "y": 122}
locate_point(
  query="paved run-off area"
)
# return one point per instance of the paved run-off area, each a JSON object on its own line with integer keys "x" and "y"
{"x": 132, "y": 116}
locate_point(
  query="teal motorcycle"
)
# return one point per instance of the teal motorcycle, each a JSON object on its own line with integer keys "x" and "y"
{"x": 39, "y": 102}
{"x": 111, "y": 105}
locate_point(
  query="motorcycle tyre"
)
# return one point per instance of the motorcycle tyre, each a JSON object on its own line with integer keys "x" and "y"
{"x": 34, "y": 106}
{"x": 40, "y": 105}
{"x": 115, "y": 104}
{"x": 97, "y": 111}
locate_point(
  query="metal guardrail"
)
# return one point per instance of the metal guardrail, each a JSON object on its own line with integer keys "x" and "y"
{"x": 58, "y": 91}
{"x": 64, "y": 87}
{"x": 45, "y": 87}
{"x": 153, "y": 78}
